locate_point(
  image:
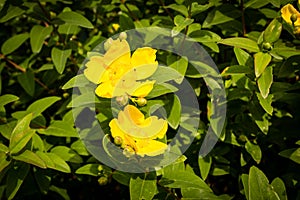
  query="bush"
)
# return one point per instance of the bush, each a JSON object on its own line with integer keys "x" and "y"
{"x": 50, "y": 147}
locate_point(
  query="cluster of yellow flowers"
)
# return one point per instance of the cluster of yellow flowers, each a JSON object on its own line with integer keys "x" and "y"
{"x": 291, "y": 16}
{"x": 120, "y": 74}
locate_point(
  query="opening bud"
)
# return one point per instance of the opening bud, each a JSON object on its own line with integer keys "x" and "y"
{"x": 118, "y": 140}
{"x": 107, "y": 44}
{"x": 122, "y": 100}
{"x": 267, "y": 46}
{"x": 123, "y": 36}
{"x": 141, "y": 101}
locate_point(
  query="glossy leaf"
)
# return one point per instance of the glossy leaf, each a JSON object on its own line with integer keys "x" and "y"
{"x": 204, "y": 165}
{"x": 59, "y": 129}
{"x": 30, "y": 158}
{"x": 261, "y": 61}
{"x": 254, "y": 150}
{"x": 143, "y": 187}
{"x": 67, "y": 154}
{"x": 59, "y": 58}
{"x": 7, "y": 98}
{"x": 75, "y": 18}
{"x": 14, "y": 43}
{"x": 174, "y": 112}
{"x": 38, "y": 34}
{"x": 292, "y": 154}
{"x": 265, "y": 81}
{"x": 266, "y": 103}
{"x": 53, "y": 161}
{"x": 89, "y": 169}
{"x": 279, "y": 188}
{"x": 243, "y": 43}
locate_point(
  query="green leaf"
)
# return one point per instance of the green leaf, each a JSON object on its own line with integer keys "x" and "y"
{"x": 174, "y": 112}
{"x": 259, "y": 116}
{"x": 59, "y": 129}
{"x": 185, "y": 179}
{"x": 265, "y": 81}
{"x": 261, "y": 61}
{"x": 38, "y": 34}
{"x": 68, "y": 29}
{"x": 79, "y": 147}
{"x": 254, "y": 150}
{"x": 37, "y": 107}
{"x": 240, "y": 42}
{"x": 76, "y": 81}
{"x": 3, "y": 148}
{"x": 273, "y": 31}
{"x": 292, "y": 154}
{"x": 266, "y": 103}
{"x": 7, "y": 98}
{"x": 15, "y": 177}
{"x": 179, "y": 65}
{"x": 180, "y": 24}
{"x": 75, "y": 18}
{"x": 243, "y": 58}
{"x": 67, "y": 154}
{"x": 164, "y": 74}
{"x": 12, "y": 11}
{"x": 43, "y": 180}
{"x": 59, "y": 58}
{"x": 125, "y": 22}
{"x": 53, "y": 161}
{"x": 236, "y": 69}
{"x": 245, "y": 181}
{"x": 21, "y": 134}
{"x": 26, "y": 80}
{"x": 122, "y": 177}
{"x": 222, "y": 14}
{"x": 161, "y": 89}
{"x": 4, "y": 161}
{"x": 143, "y": 186}
{"x": 13, "y": 43}
{"x": 275, "y": 3}
{"x": 30, "y": 158}
{"x": 89, "y": 169}
{"x": 204, "y": 165}
{"x": 279, "y": 188}
{"x": 179, "y": 8}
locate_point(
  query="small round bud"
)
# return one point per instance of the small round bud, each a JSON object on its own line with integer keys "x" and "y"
{"x": 118, "y": 140}
{"x": 103, "y": 180}
{"x": 66, "y": 95}
{"x": 100, "y": 168}
{"x": 122, "y": 100}
{"x": 294, "y": 17}
{"x": 128, "y": 151}
{"x": 107, "y": 44}
{"x": 141, "y": 101}
{"x": 123, "y": 36}
{"x": 267, "y": 46}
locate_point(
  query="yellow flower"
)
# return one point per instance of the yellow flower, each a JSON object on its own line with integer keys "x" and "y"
{"x": 139, "y": 133}
{"x": 287, "y": 12}
{"x": 119, "y": 73}
{"x": 115, "y": 26}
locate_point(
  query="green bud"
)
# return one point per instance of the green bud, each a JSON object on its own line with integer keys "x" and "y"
{"x": 122, "y": 100}
{"x": 123, "y": 36}
{"x": 100, "y": 168}
{"x": 103, "y": 180}
{"x": 141, "y": 101}
{"x": 66, "y": 95}
{"x": 294, "y": 17}
{"x": 243, "y": 138}
{"x": 107, "y": 44}
{"x": 118, "y": 140}
{"x": 267, "y": 46}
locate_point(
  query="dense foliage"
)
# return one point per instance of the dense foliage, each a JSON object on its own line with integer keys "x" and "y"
{"x": 255, "y": 45}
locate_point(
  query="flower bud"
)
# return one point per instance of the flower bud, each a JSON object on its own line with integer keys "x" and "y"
{"x": 293, "y": 18}
{"x": 122, "y": 100}
{"x": 118, "y": 140}
{"x": 107, "y": 44}
{"x": 123, "y": 36}
{"x": 128, "y": 151}
{"x": 267, "y": 46}
{"x": 103, "y": 180}
{"x": 141, "y": 101}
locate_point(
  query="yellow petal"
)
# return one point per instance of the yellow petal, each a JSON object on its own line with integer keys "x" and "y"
{"x": 104, "y": 90}
{"x": 134, "y": 115}
{"x": 142, "y": 89}
{"x": 118, "y": 52}
{"x": 287, "y": 11}
{"x": 142, "y": 56}
{"x": 150, "y": 147}
{"x": 116, "y": 131}
{"x": 144, "y": 71}
{"x": 95, "y": 69}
